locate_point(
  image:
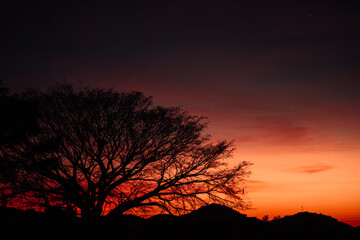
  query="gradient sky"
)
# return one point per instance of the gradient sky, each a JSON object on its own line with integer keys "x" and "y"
{"x": 281, "y": 78}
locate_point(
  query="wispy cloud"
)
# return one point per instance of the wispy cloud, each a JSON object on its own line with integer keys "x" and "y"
{"x": 310, "y": 169}
{"x": 256, "y": 185}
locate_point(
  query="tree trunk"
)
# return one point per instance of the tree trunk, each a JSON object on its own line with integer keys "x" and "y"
{"x": 91, "y": 212}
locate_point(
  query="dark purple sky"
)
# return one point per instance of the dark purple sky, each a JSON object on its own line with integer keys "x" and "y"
{"x": 282, "y": 78}
{"x": 262, "y": 44}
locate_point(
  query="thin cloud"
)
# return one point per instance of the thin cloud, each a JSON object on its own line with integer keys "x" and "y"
{"x": 256, "y": 185}
{"x": 310, "y": 169}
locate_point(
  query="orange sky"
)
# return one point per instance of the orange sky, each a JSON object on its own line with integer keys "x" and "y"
{"x": 305, "y": 150}
{"x": 303, "y": 141}
{"x": 304, "y": 157}
{"x": 325, "y": 182}
{"x": 314, "y": 165}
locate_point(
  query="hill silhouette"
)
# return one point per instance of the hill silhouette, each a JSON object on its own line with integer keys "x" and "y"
{"x": 214, "y": 211}
{"x": 314, "y": 226}
{"x": 212, "y": 221}
{"x": 206, "y": 222}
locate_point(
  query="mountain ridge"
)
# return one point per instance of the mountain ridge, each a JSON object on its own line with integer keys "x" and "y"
{"x": 210, "y": 221}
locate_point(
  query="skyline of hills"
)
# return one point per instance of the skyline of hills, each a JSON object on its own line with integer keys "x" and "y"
{"x": 215, "y": 221}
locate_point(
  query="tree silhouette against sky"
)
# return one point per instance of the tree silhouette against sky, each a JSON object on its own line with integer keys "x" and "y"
{"x": 100, "y": 151}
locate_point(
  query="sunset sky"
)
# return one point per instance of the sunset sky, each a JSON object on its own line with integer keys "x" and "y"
{"x": 281, "y": 78}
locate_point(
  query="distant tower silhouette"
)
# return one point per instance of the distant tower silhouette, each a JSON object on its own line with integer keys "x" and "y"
{"x": 302, "y": 208}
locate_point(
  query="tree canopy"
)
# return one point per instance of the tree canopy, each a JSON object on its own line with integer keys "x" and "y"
{"x": 106, "y": 152}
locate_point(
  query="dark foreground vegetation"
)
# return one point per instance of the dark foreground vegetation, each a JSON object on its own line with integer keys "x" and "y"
{"x": 89, "y": 149}
{"x": 210, "y": 222}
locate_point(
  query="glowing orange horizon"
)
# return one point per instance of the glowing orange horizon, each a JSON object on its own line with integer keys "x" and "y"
{"x": 305, "y": 153}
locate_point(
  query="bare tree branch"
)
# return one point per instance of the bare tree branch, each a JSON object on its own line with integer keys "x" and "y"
{"x": 104, "y": 151}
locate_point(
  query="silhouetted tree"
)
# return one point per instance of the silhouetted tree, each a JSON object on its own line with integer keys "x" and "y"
{"x": 103, "y": 151}
{"x": 18, "y": 120}
{"x": 265, "y": 218}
